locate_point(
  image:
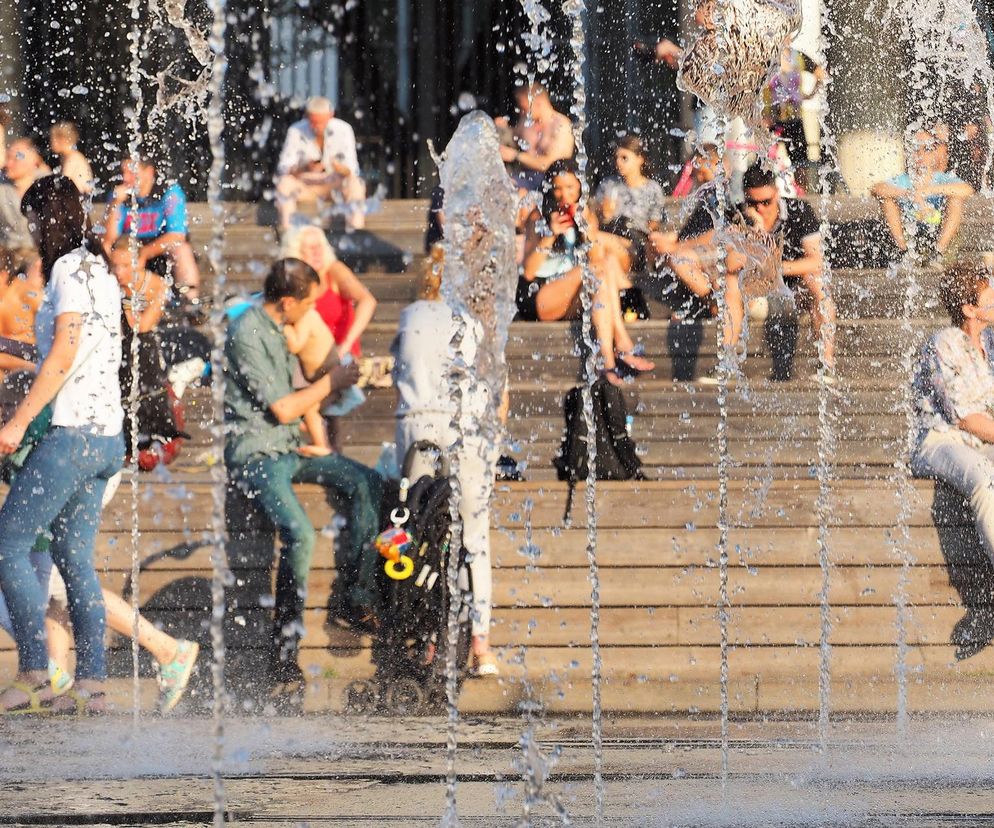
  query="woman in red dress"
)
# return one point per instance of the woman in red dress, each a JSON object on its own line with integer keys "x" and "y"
{"x": 346, "y": 304}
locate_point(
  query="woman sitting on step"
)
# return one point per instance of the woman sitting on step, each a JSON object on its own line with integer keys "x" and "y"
{"x": 550, "y": 288}
{"x": 954, "y": 396}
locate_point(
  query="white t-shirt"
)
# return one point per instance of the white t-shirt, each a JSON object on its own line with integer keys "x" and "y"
{"x": 90, "y": 397}
{"x": 423, "y": 357}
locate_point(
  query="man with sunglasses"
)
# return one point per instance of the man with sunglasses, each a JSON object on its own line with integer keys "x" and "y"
{"x": 927, "y": 200}
{"x": 794, "y": 223}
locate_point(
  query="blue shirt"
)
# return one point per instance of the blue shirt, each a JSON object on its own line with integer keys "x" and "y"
{"x": 157, "y": 215}
{"x": 937, "y": 202}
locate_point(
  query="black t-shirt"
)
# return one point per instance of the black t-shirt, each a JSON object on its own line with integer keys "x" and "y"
{"x": 797, "y": 221}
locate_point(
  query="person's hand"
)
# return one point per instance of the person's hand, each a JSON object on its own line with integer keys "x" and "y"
{"x": 663, "y": 243}
{"x": 508, "y": 154}
{"x": 314, "y": 167}
{"x": 341, "y": 169}
{"x": 502, "y": 121}
{"x": 310, "y": 450}
{"x": 669, "y": 53}
{"x": 343, "y": 376}
{"x": 753, "y": 218}
{"x": 122, "y": 193}
{"x": 559, "y": 223}
{"x": 11, "y": 436}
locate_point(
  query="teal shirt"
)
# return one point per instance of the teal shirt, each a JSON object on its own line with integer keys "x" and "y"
{"x": 258, "y": 372}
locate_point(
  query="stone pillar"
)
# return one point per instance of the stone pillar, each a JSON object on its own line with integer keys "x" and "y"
{"x": 867, "y": 98}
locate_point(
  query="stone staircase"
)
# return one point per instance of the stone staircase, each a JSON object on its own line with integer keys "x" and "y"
{"x": 657, "y": 539}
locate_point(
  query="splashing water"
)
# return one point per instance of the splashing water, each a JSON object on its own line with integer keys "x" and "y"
{"x": 479, "y": 284}
{"x": 576, "y": 12}
{"x": 732, "y": 60}
{"x": 219, "y": 565}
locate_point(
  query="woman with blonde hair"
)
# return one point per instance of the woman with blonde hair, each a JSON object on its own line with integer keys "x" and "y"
{"x": 346, "y": 305}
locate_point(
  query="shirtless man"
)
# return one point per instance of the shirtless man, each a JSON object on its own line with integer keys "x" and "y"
{"x": 63, "y": 138}
{"x": 542, "y": 135}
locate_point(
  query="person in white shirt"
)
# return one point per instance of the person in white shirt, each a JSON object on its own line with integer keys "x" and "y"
{"x": 60, "y": 487}
{"x": 319, "y": 163}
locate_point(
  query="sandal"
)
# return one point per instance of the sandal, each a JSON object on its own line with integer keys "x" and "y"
{"x": 35, "y": 705}
{"x": 635, "y": 362}
{"x": 79, "y": 702}
{"x": 613, "y": 376}
{"x": 484, "y": 666}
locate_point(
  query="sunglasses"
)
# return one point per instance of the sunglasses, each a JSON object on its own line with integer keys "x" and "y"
{"x": 759, "y": 202}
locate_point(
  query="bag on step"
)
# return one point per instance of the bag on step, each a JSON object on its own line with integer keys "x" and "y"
{"x": 616, "y": 457}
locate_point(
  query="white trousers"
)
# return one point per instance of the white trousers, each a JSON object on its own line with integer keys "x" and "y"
{"x": 969, "y": 470}
{"x": 476, "y": 469}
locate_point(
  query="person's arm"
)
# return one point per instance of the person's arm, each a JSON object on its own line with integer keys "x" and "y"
{"x": 811, "y": 262}
{"x": 888, "y": 190}
{"x": 164, "y": 244}
{"x": 606, "y": 201}
{"x": 979, "y": 425}
{"x": 288, "y": 163}
{"x": 668, "y": 52}
{"x": 950, "y": 189}
{"x": 50, "y": 378}
{"x": 365, "y": 305}
{"x": 537, "y": 249}
{"x": 560, "y": 147}
{"x": 155, "y": 300}
{"x": 294, "y": 339}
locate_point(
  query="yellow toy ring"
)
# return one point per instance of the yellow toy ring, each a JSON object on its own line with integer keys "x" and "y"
{"x": 399, "y": 570}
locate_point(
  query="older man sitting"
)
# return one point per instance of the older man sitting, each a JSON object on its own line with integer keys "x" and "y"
{"x": 319, "y": 163}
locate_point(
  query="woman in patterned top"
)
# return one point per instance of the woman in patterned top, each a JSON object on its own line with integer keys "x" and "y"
{"x": 953, "y": 393}
{"x": 630, "y": 204}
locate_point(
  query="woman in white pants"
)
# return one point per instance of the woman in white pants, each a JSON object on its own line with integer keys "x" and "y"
{"x": 426, "y": 410}
{"x": 954, "y": 396}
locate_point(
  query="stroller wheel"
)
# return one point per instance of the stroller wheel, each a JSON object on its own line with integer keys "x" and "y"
{"x": 361, "y": 697}
{"x": 405, "y": 698}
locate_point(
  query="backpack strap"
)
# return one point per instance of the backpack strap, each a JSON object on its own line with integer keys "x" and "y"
{"x": 570, "y": 489}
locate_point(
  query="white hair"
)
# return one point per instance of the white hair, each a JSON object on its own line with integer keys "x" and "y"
{"x": 294, "y": 241}
{"x": 319, "y": 105}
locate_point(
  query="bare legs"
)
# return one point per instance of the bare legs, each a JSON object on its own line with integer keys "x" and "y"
{"x": 561, "y": 299}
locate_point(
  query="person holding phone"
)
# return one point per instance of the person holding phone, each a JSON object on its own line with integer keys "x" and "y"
{"x": 550, "y": 288}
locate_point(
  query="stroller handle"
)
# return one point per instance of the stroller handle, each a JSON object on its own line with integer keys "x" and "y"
{"x": 442, "y": 465}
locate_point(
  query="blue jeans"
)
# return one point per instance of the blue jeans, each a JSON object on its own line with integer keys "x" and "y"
{"x": 269, "y": 481}
{"x": 58, "y": 492}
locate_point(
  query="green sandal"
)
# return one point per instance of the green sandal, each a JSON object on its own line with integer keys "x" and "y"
{"x": 35, "y": 705}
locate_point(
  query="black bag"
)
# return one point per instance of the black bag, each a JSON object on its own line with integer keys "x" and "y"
{"x": 616, "y": 457}
{"x": 633, "y": 303}
{"x": 415, "y": 599}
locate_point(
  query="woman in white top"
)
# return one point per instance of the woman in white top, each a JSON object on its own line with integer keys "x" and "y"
{"x": 423, "y": 365}
{"x": 59, "y": 489}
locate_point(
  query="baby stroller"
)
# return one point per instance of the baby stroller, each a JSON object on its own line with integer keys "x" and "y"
{"x": 411, "y": 645}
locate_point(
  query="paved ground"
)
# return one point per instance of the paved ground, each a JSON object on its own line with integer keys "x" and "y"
{"x": 379, "y": 772}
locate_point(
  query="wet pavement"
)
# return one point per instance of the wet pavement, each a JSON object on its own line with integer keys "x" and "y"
{"x": 324, "y": 770}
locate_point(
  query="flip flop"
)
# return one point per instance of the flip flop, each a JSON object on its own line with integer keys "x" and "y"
{"x": 81, "y": 701}
{"x": 34, "y": 705}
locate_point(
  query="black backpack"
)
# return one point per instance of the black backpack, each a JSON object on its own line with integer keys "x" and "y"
{"x": 616, "y": 457}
